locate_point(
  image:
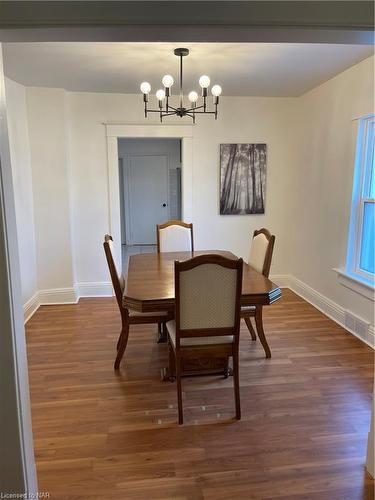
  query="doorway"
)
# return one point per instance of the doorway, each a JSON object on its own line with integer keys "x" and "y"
{"x": 150, "y": 191}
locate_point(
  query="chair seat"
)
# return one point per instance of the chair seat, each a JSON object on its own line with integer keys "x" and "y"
{"x": 194, "y": 341}
{"x": 162, "y": 314}
{"x": 247, "y": 311}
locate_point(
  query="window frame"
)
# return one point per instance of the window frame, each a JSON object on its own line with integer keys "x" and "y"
{"x": 364, "y": 158}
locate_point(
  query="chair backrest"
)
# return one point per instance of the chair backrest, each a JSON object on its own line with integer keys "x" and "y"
{"x": 261, "y": 251}
{"x": 117, "y": 278}
{"x": 175, "y": 236}
{"x": 208, "y": 296}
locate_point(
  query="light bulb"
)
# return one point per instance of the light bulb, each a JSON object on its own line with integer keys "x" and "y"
{"x": 193, "y": 96}
{"x": 216, "y": 90}
{"x": 167, "y": 81}
{"x": 160, "y": 94}
{"x": 145, "y": 88}
{"x": 204, "y": 81}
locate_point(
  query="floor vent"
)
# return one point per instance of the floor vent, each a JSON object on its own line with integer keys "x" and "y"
{"x": 356, "y": 325}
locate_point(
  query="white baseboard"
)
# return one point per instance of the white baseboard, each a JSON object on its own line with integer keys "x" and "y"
{"x": 94, "y": 289}
{"x": 328, "y": 307}
{"x": 31, "y": 306}
{"x": 57, "y": 296}
{"x": 371, "y": 336}
{"x": 104, "y": 289}
{"x": 281, "y": 280}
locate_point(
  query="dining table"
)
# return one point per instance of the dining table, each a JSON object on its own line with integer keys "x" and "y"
{"x": 150, "y": 287}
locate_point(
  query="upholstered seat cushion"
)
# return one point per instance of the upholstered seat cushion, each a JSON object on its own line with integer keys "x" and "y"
{"x": 247, "y": 311}
{"x": 193, "y": 341}
{"x": 162, "y": 314}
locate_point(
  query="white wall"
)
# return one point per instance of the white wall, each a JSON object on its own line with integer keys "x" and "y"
{"x": 241, "y": 120}
{"x": 310, "y": 142}
{"x": 23, "y": 186}
{"x": 46, "y": 110}
{"x": 326, "y": 135}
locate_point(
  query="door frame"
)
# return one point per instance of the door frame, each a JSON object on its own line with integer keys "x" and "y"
{"x": 126, "y": 176}
{"x": 17, "y": 465}
{"x": 115, "y": 131}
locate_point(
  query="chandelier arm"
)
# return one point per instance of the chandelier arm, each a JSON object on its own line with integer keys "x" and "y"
{"x": 169, "y": 114}
{"x": 163, "y": 111}
{"x": 193, "y": 109}
{"x": 205, "y": 112}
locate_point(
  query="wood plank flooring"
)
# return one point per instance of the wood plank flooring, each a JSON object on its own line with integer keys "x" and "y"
{"x": 98, "y": 435}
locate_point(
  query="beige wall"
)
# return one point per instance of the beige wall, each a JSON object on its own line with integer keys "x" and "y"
{"x": 241, "y": 120}
{"x": 309, "y": 179}
{"x": 46, "y": 109}
{"x": 326, "y": 135}
{"x": 23, "y": 186}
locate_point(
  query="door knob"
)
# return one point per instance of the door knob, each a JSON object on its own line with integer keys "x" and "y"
{"x": 164, "y": 204}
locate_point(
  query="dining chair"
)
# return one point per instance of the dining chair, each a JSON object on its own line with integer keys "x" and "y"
{"x": 207, "y": 315}
{"x": 175, "y": 236}
{"x": 128, "y": 316}
{"x": 260, "y": 259}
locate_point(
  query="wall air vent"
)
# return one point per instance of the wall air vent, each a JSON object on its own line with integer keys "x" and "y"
{"x": 356, "y": 325}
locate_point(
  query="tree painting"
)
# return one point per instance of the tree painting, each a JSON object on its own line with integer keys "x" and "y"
{"x": 242, "y": 178}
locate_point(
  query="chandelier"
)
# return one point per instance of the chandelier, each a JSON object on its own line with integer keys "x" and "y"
{"x": 163, "y": 95}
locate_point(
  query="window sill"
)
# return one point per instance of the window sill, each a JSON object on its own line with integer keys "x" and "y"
{"x": 355, "y": 284}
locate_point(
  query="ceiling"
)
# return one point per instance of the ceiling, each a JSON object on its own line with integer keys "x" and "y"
{"x": 258, "y": 69}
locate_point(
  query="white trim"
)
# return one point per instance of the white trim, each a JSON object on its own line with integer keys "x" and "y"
{"x": 353, "y": 283}
{"x": 281, "y": 280}
{"x": 17, "y": 463}
{"x": 31, "y": 306}
{"x": 104, "y": 289}
{"x": 60, "y": 296}
{"x": 323, "y": 304}
{"x": 150, "y": 129}
{"x": 94, "y": 289}
{"x": 328, "y": 307}
{"x": 360, "y": 193}
{"x": 362, "y": 117}
{"x": 57, "y": 296}
{"x": 371, "y": 336}
{"x": 370, "y": 458}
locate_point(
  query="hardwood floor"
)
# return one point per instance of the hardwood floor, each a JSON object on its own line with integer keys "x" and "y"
{"x": 305, "y": 412}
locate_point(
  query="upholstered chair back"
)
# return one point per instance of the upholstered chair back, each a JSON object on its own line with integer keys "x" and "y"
{"x": 117, "y": 278}
{"x": 175, "y": 236}
{"x": 261, "y": 251}
{"x": 208, "y": 293}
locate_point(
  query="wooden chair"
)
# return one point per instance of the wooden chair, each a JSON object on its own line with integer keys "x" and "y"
{"x": 260, "y": 258}
{"x": 128, "y": 317}
{"x": 207, "y": 315}
{"x": 175, "y": 236}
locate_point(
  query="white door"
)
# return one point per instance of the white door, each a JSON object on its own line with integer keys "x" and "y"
{"x": 146, "y": 182}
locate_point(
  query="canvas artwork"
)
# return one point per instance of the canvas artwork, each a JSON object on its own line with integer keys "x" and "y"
{"x": 242, "y": 178}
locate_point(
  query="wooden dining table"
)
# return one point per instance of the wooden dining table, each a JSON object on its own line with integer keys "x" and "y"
{"x": 150, "y": 282}
{"x": 150, "y": 285}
